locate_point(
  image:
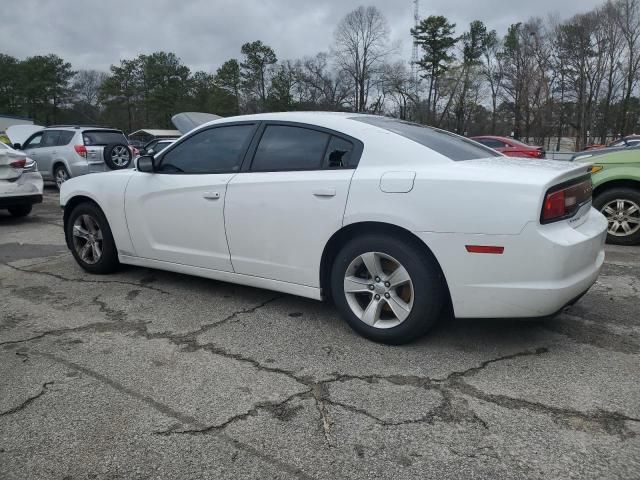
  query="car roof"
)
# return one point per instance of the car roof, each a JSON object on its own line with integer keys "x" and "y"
{"x": 340, "y": 121}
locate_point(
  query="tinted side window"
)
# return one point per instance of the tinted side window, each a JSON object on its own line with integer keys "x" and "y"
{"x": 50, "y": 138}
{"x": 33, "y": 142}
{"x": 216, "y": 150}
{"x": 65, "y": 137}
{"x": 445, "y": 143}
{"x": 490, "y": 142}
{"x": 284, "y": 147}
{"x": 339, "y": 154}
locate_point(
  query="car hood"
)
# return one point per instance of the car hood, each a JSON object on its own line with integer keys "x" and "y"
{"x": 20, "y": 133}
{"x": 187, "y": 121}
{"x": 629, "y": 155}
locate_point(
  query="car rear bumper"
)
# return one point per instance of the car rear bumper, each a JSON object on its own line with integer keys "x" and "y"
{"x": 27, "y": 189}
{"x": 542, "y": 269}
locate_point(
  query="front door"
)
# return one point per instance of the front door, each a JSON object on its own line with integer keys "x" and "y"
{"x": 177, "y": 213}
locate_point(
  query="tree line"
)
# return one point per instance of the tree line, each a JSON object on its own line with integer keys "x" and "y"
{"x": 542, "y": 81}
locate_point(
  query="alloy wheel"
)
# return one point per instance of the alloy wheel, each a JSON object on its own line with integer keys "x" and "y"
{"x": 61, "y": 176}
{"x": 87, "y": 239}
{"x": 379, "y": 290}
{"x": 623, "y": 216}
{"x": 120, "y": 156}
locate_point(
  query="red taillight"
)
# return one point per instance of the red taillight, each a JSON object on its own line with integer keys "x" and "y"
{"x": 564, "y": 201}
{"x": 81, "y": 150}
{"x": 18, "y": 163}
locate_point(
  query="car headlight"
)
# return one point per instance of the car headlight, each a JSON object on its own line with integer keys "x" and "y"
{"x": 596, "y": 168}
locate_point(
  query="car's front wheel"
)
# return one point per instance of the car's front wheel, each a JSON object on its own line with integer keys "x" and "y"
{"x": 387, "y": 288}
{"x": 90, "y": 239}
{"x": 621, "y": 206}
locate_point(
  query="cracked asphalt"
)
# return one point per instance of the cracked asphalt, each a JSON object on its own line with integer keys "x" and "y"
{"x": 150, "y": 374}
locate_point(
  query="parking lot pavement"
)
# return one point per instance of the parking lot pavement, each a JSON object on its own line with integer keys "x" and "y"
{"x": 149, "y": 374}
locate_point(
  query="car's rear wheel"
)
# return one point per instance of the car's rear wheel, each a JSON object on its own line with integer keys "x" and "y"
{"x": 20, "y": 210}
{"x": 90, "y": 239}
{"x": 60, "y": 175}
{"x": 387, "y": 289}
{"x": 621, "y": 206}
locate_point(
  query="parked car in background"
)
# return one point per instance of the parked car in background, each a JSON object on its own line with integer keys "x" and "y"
{"x": 155, "y": 146}
{"x": 616, "y": 192}
{"x": 20, "y": 182}
{"x": 64, "y": 151}
{"x": 350, "y": 208}
{"x": 510, "y": 147}
{"x": 626, "y": 142}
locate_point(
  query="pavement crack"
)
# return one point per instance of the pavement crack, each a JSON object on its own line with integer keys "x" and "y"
{"x": 253, "y": 411}
{"x": 320, "y": 394}
{"x": 83, "y": 280}
{"x": 486, "y": 363}
{"x": 181, "y": 417}
{"x": 28, "y": 401}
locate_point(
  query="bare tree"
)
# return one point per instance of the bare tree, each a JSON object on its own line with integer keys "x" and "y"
{"x": 86, "y": 85}
{"x": 360, "y": 47}
{"x": 628, "y": 20}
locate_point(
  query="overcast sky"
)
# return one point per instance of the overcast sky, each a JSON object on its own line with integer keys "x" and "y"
{"x": 205, "y": 33}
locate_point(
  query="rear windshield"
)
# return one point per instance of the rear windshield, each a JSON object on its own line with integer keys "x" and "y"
{"x": 445, "y": 143}
{"x": 103, "y": 137}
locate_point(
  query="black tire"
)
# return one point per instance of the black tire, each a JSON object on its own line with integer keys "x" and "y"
{"x": 619, "y": 193}
{"x": 60, "y": 175}
{"x": 108, "y": 261}
{"x": 120, "y": 150}
{"x": 20, "y": 210}
{"x": 425, "y": 275}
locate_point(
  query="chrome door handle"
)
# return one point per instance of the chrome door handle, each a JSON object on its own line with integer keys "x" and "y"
{"x": 324, "y": 192}
{"x": 211, "y": 195}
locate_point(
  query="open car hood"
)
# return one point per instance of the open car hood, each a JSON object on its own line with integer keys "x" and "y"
{"x": 187, "y": 121}
{"x": 20, "y": 133}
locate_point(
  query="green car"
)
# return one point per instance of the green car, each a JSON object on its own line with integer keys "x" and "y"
{"x": 616, "y": 191}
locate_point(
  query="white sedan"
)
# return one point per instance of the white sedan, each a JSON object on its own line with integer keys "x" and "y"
{"x": 20, "y": 182}
{"x": 393, "y": 221}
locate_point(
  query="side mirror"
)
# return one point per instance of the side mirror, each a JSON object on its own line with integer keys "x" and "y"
{"x": 17, "y": 146}
{"x": 146, "y": 163}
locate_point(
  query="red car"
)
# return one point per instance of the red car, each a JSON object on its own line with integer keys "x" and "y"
{"x": 510, "y": 147}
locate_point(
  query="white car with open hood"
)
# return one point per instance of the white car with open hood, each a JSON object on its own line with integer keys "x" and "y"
{"x": 393, "y": 221}
{"x": 20, "y": 182}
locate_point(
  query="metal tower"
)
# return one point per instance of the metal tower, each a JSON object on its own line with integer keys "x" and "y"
{"x": 414, "y": 55}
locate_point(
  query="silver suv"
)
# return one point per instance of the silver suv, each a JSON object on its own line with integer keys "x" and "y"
{"x": 64, "y": 151}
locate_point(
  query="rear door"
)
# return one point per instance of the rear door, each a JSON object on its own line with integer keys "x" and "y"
{"x": 282, "y": 210}
{"x": 47, "y": 150}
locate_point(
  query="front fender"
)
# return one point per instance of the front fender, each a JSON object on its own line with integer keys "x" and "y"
{"x": 107, "y": 191}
